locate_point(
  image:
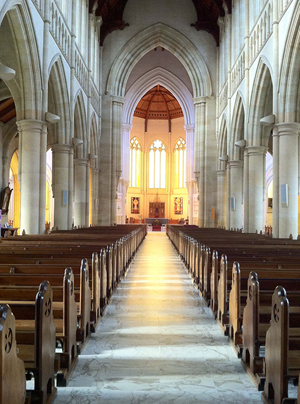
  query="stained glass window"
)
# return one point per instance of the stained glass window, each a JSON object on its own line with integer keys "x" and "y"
{"x": 180, "y": 163}
{"x": 135, "y": 163}
{"x": 157, "y": 165}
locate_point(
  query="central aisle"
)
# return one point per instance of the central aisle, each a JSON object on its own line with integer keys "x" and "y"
{"x": 158, "y": 343}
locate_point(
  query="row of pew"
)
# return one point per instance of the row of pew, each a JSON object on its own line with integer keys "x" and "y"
{"x": 53, "y": 291}
{"x": 251, "y": 282}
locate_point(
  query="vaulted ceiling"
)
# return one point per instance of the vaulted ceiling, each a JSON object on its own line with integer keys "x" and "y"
{"x": 158, "y": 103}
{"x": 208, "y": 12}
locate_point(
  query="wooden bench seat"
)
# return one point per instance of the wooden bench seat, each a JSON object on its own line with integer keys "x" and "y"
{"x": 12, "y": 371}
{"x": 282, "y": 350}
{"x": 68, "y": 318}
{"x": 37, "y": 349}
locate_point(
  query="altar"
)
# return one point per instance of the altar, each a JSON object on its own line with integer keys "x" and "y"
{"x": 156, "y": 224}
{"x": 156, "y": 221}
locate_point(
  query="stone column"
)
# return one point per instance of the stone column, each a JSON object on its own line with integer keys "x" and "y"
{"x": 116, "y": 167}
{"x": 288, "y": 134}
{"x": 254, "y": 203}
{"x": 199, "y": 166}
{"x": 81, "y": 167}
{"x": 235, "y": 190}
{"x": 63, "y": 197}
{"x": 32, "y": 150}
{"x": 43, "y": 164}
{"x": 221, "y": 198}
{"x": 95, "y": 195}
{"x": 125, "y": 166}
{"x": 190, "y": 134}
{"x": 276, "y": 188}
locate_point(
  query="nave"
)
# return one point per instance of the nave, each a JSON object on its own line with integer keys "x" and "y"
{"x": 158, "y": 342}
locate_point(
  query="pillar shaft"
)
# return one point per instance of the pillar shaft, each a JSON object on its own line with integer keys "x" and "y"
{"x": 200, "y": 113}
{"x": 116, "y": 169}
{"x": 95, "y": 198}
{"x": 235, "y": 191}
{"x": 256, "y": 180}
{"x": 190, "y": 135}
{"x": 32, "y": 155}
{"x": 221, "y": 198}
{"x": 61, "y": 185}
{"x": 275, "y": 208}
{"x": 288, "y": 134}
{"x": 81, "y": 167}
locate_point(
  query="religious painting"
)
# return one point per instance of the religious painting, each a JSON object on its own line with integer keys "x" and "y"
{"x": 135, "y": 205}
{"x": 178, "y": 206}
{"x": 5, "y": 198}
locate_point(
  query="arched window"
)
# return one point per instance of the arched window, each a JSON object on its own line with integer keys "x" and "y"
{"x": 180, "y": 162}
{"x": 157, "y": 165}
{"x": 135, "y": 163}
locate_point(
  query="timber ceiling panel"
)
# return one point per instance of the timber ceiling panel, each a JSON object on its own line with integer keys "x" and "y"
{"x": 208, "y": 12}
{"x": 7, "y": 110}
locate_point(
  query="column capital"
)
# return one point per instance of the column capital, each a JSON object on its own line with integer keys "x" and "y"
{"x": 118, "y": 100}
{"x": 235, "y": 164}
{"x": 127, "y": 127}
{"x": 256, "y": 150}
{"x": 189, "y": 128}
{"x": 81, "y": 162}
{"x": 221, "y": 173}
{"x": 199, "y": 100}
{"x": 30, "y": 124}
{"x": 61, "y": 148}
{"x": 287, "y": 128}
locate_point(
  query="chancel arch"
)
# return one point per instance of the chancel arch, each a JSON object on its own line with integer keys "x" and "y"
{"x": 170, "y": 82}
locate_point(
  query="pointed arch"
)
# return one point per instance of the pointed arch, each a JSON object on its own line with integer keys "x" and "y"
{"x": 80, "y": 126}
{"x": 170, "y": 82}
{"x": 261, "y": 104}
{"x": 222, "y": 144}
{"x": 23, "y": 57}
{"x": 58, "y": 102}
{"x": 289, "y": 82}
{"x": 172, "y": 40}
{"x": 237, "y": 128}
{"x": 93, "y": 140}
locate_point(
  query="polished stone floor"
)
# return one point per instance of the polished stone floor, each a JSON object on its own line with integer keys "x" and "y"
{"x": 158, "y": 343}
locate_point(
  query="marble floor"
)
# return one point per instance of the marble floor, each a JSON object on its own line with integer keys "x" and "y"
{"x": 158, "y": 343}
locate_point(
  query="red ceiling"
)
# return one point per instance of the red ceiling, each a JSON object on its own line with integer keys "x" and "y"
{"x": 208, "y": 12}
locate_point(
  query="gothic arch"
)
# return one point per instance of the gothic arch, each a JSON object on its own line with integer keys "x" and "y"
{"x": 23, "y": 57}
{"x": 289, "y": 81}
{"x": 261, "y": 104}
{"x": 93, "y": 140}
{"x": 237, "y": 128}
{"x": 222, "y": 144}
{"x": 167, "y": 80}
{"x": 58, "y": 93}
{"x": 172, "y": 40}
{"x": 80, "y": 126}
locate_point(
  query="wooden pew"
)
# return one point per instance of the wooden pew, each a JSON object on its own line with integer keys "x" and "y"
{"x": 72, "y": 323}
{"x": 13, "y": 380}
{"x": 36, "y": 342}
{"x": 282, "y": 349}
